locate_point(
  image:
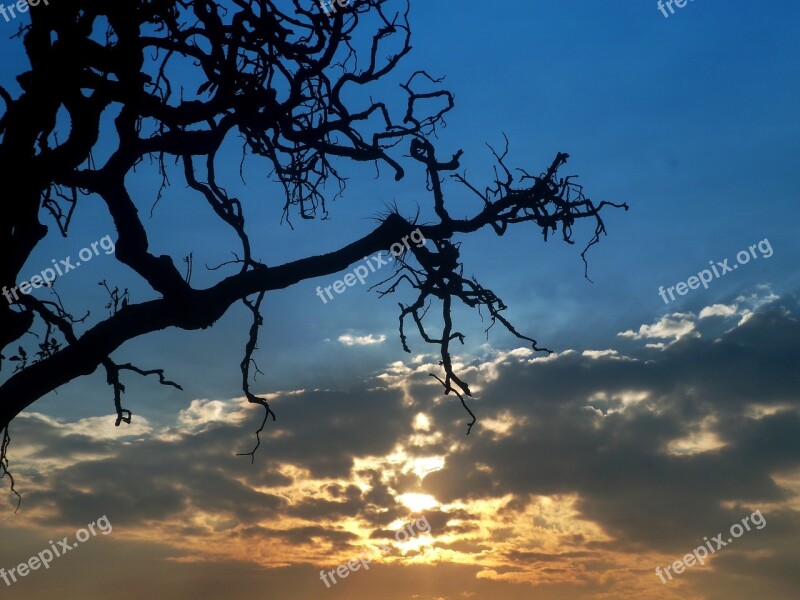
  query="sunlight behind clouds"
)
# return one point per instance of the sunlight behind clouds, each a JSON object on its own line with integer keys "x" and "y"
{"x": 418, "y": 502}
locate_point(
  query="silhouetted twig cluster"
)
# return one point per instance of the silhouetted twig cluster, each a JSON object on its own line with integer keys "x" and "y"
{"x": 284, "y": 78}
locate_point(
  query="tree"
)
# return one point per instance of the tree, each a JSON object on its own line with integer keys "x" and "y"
{"x": 277, "y": 73}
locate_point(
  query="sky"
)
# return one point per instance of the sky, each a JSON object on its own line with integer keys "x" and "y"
{"x": 652, "y": 426}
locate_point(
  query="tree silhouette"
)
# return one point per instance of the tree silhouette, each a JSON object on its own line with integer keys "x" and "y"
{"x": 167, "y": 82}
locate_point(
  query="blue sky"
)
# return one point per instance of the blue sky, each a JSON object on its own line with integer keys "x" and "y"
{"x": 692, "y": 120}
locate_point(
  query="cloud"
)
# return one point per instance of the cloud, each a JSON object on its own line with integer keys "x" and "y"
{"x": 673, "y": 326}
{"x": 580, "y": 465}
{"x": 96, "y": 428}
{"x": 718, "y": 310}
{"x": 361, "y": 340}
{"x": 203, "y": 413}
{"x": 600, "y": 354}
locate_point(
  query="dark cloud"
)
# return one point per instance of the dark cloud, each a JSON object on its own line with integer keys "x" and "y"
{"x": 601, "y": 428}
{"x": 618, "y": 464}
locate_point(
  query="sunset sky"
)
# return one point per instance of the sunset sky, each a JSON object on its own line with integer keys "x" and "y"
{"x": 650, "y": 427}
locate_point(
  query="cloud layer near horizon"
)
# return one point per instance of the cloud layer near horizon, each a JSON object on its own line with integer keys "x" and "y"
{"x": 586, "y": 470}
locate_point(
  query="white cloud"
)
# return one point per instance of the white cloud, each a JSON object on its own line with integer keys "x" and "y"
{"x": 97, "y": 428}
{"x": 674, "y": 326}
{"x": 489, "y": 368}
{"x": 361, "y": 340}
{"x": 757, "y": 300}
{"x": 503, "y": 424}
{"x": 598, "y": 354}
{"x": 718, "y": 310}
{"x": 202, "y": 413}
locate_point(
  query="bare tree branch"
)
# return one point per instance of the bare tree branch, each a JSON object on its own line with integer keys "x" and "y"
{"x": 279, "y": 75}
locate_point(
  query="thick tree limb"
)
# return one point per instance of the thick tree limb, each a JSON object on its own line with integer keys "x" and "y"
{"x": 279, "y": 74}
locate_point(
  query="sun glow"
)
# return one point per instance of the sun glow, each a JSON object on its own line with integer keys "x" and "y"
{"x": 418, "y": 502}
